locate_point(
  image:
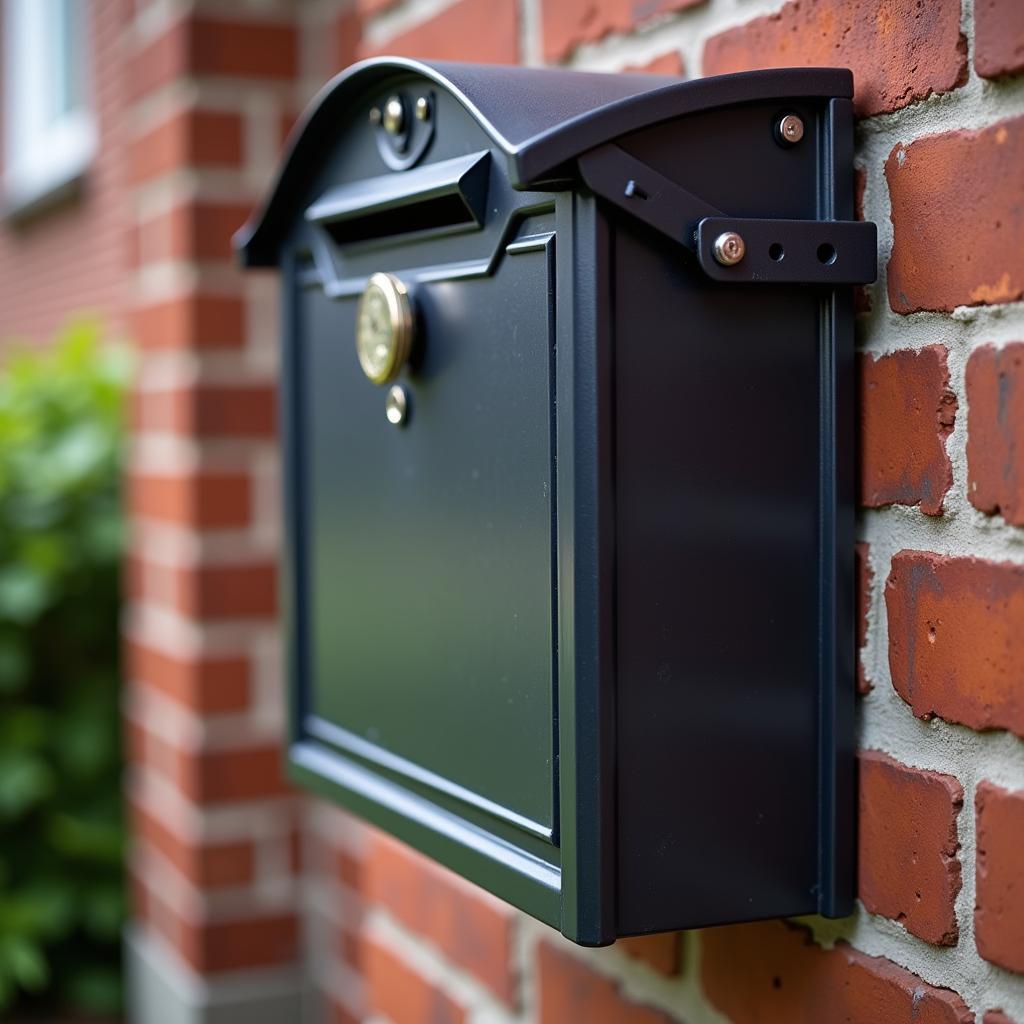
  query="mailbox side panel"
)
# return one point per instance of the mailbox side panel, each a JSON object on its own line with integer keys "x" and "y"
{"x": 732, "y": 522}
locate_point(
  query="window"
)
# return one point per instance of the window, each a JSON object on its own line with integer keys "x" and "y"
{"x": 49, "y": 134}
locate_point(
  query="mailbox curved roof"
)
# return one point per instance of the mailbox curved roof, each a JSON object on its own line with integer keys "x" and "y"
{"x": 542, "y": 118}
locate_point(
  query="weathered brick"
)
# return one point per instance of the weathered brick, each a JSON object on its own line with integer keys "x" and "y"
{"x": 998, "y": 37}
{"x": 907, "y": 866}
{"x": 956, "y": 638}
{"x": 995, "y": 425}
{"x": 997, "y": 1017}
{"x": 865, "y": 581}
{"x": 485, "y": 31}
{"x": 204, "y": 683}
{"x": 773, "y": 973}
{"x": 568, "y": 23}
{"x": 469, "y": 927}
{"x": 208, "y": 411}
{"x": 203, "y": 499}
{"x": 191, "y": 321}
{"x": 187, "y": 138}
{"x": 900, "y": 51}
{"x": 999, "y": 876}
{"x": 400, "y": 993}
{"x": 958, "y": 223}
{"x": 569, "y": 990}
{"x": 661, "y": 952}
{"x": 907, "y": 412}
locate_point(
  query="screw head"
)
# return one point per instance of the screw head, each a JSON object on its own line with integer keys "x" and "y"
{"x": 791, "y": 129}
{"x": 422, "y": 108}
{"x": 375, "y": 115}
{"x": 394, "y": 116}
{"x": 396, "y": 406}
{"x": 729, "y": 248}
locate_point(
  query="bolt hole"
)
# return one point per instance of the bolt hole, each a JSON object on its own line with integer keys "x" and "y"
{"x": 826, "y": 253}
{"x": 776, "y": 252}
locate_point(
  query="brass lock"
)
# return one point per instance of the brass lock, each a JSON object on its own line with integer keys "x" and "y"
{"x": 384, "y": 328}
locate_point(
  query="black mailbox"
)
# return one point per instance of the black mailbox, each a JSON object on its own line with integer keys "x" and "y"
{"x": 568, "y": 403}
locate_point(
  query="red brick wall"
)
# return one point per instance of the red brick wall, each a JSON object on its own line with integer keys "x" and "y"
{"x": 70, "y": 259}
{"x": 231, "y": 871}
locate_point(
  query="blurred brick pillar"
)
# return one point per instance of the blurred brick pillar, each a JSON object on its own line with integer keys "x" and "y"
{"x": 214, "y": 858}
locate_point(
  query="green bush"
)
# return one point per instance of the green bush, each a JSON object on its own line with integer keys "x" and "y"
{"x": 61, "y": 834}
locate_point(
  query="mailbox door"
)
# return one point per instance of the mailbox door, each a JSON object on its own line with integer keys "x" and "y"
{"x": 428, "y": 547}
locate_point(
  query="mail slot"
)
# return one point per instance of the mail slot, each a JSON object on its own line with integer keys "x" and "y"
{"x": 567, "y": 434}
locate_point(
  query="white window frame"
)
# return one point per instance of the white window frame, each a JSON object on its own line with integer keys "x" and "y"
{"x": 45, "y": 149}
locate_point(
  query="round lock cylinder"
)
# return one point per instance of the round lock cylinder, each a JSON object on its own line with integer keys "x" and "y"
{"x": 384, "y": 328}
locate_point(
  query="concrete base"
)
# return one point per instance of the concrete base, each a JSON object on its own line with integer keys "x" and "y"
{"x": 163, "y": 990}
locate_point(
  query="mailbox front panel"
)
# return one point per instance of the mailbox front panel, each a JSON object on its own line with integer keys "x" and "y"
{"x": 430, "y": 545}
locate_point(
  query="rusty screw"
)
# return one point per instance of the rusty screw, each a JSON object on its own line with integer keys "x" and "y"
{"x": 729, "y": 248}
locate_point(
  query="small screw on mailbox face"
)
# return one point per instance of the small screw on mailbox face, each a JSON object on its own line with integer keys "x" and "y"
{"x": 396, "y": 406}
{"x": 791, "y": 129}
{"x": 422, "y": 108}
{"x": 729, "y": 248}
{"x": 394, "y": 116}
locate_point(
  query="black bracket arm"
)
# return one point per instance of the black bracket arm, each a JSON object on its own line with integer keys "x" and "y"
{"x": 828, "y": 252}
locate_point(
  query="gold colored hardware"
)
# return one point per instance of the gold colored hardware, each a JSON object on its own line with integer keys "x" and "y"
{"x": 396, "y": 405}
{"x": 394, "y": 116}
{"x": 422, "y": 108}
{"x": 375, "y": 115}
{"x": 384, "y": 328}
{"x": 729, "y": 248}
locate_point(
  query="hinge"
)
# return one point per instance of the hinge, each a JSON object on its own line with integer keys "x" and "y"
{"x": 741, "y": 249}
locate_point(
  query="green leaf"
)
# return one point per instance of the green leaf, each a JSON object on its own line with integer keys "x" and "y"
{"x": 24, "y": 592}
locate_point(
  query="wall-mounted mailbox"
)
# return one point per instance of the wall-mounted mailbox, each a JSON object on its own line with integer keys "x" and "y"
{"x": 567, "y": 399}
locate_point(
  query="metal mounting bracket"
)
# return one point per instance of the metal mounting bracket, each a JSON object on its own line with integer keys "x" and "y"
{"x": 826, "y": 252}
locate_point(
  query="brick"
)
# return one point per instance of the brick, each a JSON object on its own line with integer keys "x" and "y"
{"x": 210, "y": 865}
{"x": 660, "y": 952}
{"x": 567, "y": 24}
{"x": 213, "y": 46}
{"x": 187, "y": 138}
{"x": 468, "y": 926}
{"x": 256, "y": 940}
{"x": 907, "y": 865}
{"x": 907, "y": 412}
{"x": 204, "y": 499}
{"x": 207, "y": 684}
{"x": 998, "y": 37}
{"x": 191, "y": 321}
{"x": 203, "y": 230}
{"x": 995, "y": 424}
{"x": 773, "y": 973}
{"x": 958, "y": 223}
{"x": 956, "y": 638}
{"x": 865, "y": 581}
{"x": 900, "y": 51}
{"x": 568, "y": 990}
{"x": 208, "y": 411}
{"x": 227, "y": 591}
{"x": 667, "y": 64}
{"x": 484, "y": 31}
{"x": 402, "y": 994}
{"x": 997, "y": 1017}
{"x": 233, "y": 774}
{"x": 338, "y": 1013}
{"x": 999, "y": 876}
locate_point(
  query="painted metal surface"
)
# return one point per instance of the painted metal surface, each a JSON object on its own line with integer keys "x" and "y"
{"x": 582, "y": 627}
